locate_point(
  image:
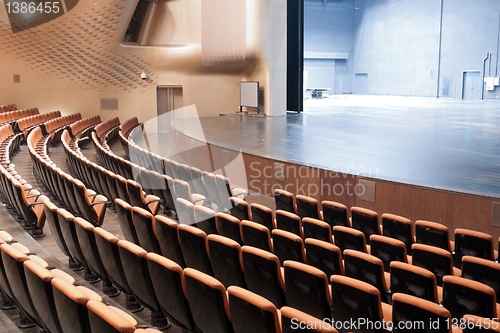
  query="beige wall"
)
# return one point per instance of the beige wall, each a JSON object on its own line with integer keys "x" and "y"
{"x": 71, "y": 62}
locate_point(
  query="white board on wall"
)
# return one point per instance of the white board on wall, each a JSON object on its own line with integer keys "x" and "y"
{"x": 249, "y": 94}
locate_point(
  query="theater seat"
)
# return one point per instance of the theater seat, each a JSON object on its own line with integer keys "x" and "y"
{"x": 307, "y": 289}
{"x": 462, "y": 296}
{"x": 168, "y": 239}
{"x": 137, "y": 197}
{"x": 208, "y": 302}
{"x": 144, "y": 226}
{"x": 109, "y": 319}
{"x": 124, "y": 212}
{"x": 263, "y": 215}
{"x": 285, "y": 201}
{"x": 229, "y": 226}
{"x": 476, "y": 324}
{"x": 388, "y": 249}
{"x": 482, "y": 270}
{"x": 415, "y": 281}
{"x": 288, "y": 246}
{"x": 434, "y": 259}
{"x": 400, "y": 228}
{"x": 168, "y": 280}
{"x": 205, "y": 219}
{"x": 256, "y": 235}
{"x": 335, "y": 213}
{"x": 225, "y": 257}
{"x": 135, "y": 266}
{"x": 240, "y": 209}
{"x": 472, "y": 243}
{"x": 324, "y": 256}
{"x": 292, "y": 320}
{"x": 247, "y": 307}
{"x": 263, "y": 274}
{"x": 433, "y": 234}
{"x": 314, "y": 228}
{"x": 307, "y": 207}
{"x": 366, "y": 221}
{"x": 348, "y": 238}
{"x": 353, "y": 299}
{"x": 289, "y": 222}
{"x": 194, "y": 246}
{"x": 408, "y": 311}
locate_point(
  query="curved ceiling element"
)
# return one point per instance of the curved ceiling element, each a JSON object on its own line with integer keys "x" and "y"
{"x": 223, "y": 32}
{"x": 26, "y": 14}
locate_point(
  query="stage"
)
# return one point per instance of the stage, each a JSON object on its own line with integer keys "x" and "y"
{"x": 436, "y": 143}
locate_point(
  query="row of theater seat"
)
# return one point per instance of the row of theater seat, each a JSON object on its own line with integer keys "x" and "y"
{"x": 18, "y": 195}
{"x": 107, "y": 130}
{"x": 8, "y": 108}
{"x": 368, "y": 222}
{"x": 159, "y": 235}
{"x": 55, "y": 127}
{"x": 10, "y": 116}
{"x": 214, "y": 190}
{"x": 125, "y": 129}
{"x": 72, "y": 192}
{"x": 51, "y": 299}
{"x": 25, "y": 125}
{"x": 82, "y": 127}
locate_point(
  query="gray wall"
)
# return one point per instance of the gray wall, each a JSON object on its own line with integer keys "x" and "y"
{"x": 329, "y": 28}
{"x": 397, "y": 43}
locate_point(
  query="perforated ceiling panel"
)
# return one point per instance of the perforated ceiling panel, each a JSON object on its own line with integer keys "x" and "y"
{"x": 81, "y": 48}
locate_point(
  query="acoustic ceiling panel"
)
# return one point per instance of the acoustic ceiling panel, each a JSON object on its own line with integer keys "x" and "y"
{"x": 81, "y": 48}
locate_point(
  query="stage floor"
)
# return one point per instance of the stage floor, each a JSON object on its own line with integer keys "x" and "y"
{"x": 438, "y": 143}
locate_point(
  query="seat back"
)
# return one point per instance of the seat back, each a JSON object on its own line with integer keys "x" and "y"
{"x": 168, "y": 192}
{"x": 13, "y": 260}
{"x": 292, "y": 319}
{"x": 53, "y": 222}
{"x": 135, "y": 265}
{"x": 256, "y": 235}
{"x": 462, "y": 296}
{"x": 472, "y": 243}
{"x": 247, "y": 307}
{"x": 434, "y": 259}
{"x": 288, "y": 246}
{"x": 229, "y": 226}
{"x": 185, "y": 212}
{"x": 307, "y": 289}
{"x": 413, "y": 280}
{"x": 353, "y": 299}
{"x": 432, "y": 233}
{"x": 225, "y": 257}
{"x": 67, "y": 224}
{"x": 205, "y": 219}
{"x": 124, "y": 212}
{"x": 240, "y": 209}
{"x": 349, "y": 238}
{"x": 144, "y": 225}
{"x": 107, "y": 244}
{"x": 103, "y": 318}
{"x": 39, "y": 284}
{"x": 366, "y": 221}
{"x": 482, "y": 270}
{"x": 182, "y": 189}
{"x": 224, "y": 191}
{"x": 194, "y": 246}
{"x": 134, "y": 190}
{"x": 263, "y": 274}
{"x": 429, "y": 316}
{"x": 387, "y": 249}
{"x": 263, "y": 215}
{"x": 317, "y": 229}
{"x": 208, "y": 302}
{"x": 211, "y": 187}
{"x": 289, "y": 222}
{"x": 367, "y": 268}
{"x": 168, "y": 280}
{"x": 478, "y": 324}
{"x": 168, "y": 239}
{"x": 285, "y": 201}
{"x": 70, "y": 303}
{"x": 325, "y": 256}
{"x": 90, "y": 251}
{"x": 307, "y": 207}
{"x": 398, "y": 227}
{"x": 335, "y": 213}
